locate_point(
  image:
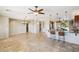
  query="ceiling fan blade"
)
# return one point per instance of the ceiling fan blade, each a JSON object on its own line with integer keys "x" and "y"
{"x": 40, "y": 10}
{"x": 30, "y": 9}
{"x": 41, "y": 13}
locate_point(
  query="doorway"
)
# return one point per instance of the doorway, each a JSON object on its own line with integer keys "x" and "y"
{"x": 51, "y": 25}
{"x": 27, "y": 27}
{"x": 40, "y": 27}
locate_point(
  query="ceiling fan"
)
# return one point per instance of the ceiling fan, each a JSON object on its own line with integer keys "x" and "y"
{"x": 36, "y": 11}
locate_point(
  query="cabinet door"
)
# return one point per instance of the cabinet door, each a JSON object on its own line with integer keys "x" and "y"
{"x": 77, "y": 18}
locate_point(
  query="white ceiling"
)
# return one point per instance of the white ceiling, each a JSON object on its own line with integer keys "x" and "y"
{"x": 17, "y": 12}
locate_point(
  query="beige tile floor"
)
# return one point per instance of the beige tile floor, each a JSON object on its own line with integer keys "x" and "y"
{"x": 35, "y": 43}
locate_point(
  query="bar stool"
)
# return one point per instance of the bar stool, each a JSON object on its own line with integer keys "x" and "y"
{"x": 53, "y": 34}
{"x": 61, "y": 34}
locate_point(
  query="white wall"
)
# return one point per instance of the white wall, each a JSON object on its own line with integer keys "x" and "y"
{"x": 16, "y": 27}
{"x": 4, "y": 27}
{"x": 46, "y": 26}
{"x": 33, "y": 27}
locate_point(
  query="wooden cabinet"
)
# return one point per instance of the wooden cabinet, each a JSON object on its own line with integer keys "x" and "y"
{"x": 77, "y": 18}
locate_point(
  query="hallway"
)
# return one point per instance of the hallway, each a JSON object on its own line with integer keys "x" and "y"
{"x": 35, "y": 43}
